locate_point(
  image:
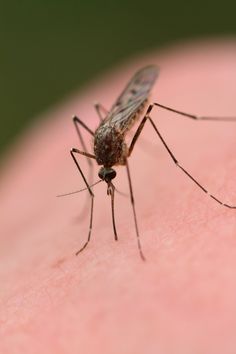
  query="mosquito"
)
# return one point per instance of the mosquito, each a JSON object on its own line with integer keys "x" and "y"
{"x": 110, "y": 148}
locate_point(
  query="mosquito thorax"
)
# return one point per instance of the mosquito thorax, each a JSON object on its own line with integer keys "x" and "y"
{"x": 107, "y": 174}
{"x": 109, "y": 146}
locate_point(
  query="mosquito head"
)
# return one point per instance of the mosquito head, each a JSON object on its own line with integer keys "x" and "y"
{"x": 107, "y": 174}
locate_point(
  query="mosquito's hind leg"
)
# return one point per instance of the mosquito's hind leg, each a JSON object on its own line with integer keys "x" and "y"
{"x": 194, "y": 116}
{"x": 186, "y": 172}
{"x": 73, "y": 152}
{"x": 137, "y": 134}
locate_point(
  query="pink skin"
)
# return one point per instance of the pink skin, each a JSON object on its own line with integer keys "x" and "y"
{"x": 106, "y": 300}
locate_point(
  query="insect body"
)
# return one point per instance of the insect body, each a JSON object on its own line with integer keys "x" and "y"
{"x": 109, "y": 139}
{"x": 110, "y": 148}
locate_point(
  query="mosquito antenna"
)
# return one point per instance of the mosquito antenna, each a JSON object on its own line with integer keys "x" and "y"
{"x": 81, "y": 190}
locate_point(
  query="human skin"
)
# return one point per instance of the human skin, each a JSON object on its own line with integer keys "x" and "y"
{"x": 107, "y": 300}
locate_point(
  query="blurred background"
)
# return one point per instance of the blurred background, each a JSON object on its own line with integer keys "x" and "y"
{"x": 51, "y": 47}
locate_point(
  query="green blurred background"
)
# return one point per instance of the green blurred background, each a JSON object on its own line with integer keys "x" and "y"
{"x": 51, "y": 47}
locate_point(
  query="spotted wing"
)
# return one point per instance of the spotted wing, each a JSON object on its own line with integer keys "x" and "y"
{"x": 132, "y": 97}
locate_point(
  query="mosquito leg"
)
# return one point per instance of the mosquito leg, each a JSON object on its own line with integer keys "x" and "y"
{"x": 134, "y": 212}
{"x": 79, "y": 123}
{"x": 138, "y": 132}
{"x": 195, "y": 117}
{"x": 73, "y": 152}
{"x": 99, "y": 108}
{"x": 185, "y": 171}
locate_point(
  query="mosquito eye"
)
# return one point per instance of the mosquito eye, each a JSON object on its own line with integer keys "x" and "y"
{"x": 112, "y": 174}
{"x": 101, "y": 174}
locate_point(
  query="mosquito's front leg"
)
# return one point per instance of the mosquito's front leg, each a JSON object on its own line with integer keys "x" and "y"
{"x": 78, "y": 123}
{"x": 73, "y": 152}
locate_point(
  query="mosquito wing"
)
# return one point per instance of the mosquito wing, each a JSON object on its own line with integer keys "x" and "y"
{"x": 132, "y": 98}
